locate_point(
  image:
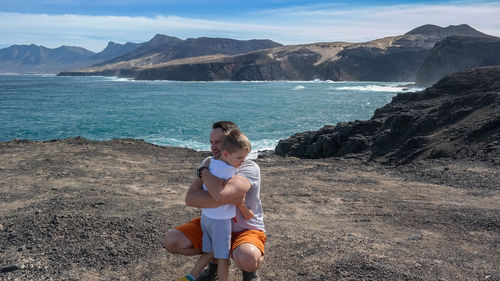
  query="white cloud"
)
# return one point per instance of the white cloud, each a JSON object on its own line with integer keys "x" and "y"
{"x": 288, "y": 26}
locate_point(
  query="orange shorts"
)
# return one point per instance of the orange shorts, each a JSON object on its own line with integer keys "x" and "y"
{"x": 193, "y": 232}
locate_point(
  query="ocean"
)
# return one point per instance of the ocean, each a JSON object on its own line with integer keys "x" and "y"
{"x": 172, "y": 113}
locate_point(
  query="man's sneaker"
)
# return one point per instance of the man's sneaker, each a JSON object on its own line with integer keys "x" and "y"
{"x": 209, "y": 274}
{"x": 250, "y": 276}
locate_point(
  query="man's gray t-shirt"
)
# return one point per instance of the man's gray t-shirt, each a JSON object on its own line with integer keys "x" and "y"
{"x": 251, "y": 171}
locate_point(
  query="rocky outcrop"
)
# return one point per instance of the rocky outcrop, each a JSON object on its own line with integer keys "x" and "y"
{"x": 459, "y": 117}
{"x": 457, "y": 53}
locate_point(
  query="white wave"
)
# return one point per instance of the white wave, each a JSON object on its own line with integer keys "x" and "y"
{"x": 298, "y": 88}
{"x": 261, "y": 145}
{"x": 118, "y": 79}
{"x": 158, "y": 140}
{"x": 377, "y": 88}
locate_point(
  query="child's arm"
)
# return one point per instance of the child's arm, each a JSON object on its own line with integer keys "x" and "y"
{"x": 247, "y": 213}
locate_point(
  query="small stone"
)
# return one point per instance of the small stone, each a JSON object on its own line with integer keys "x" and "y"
{"x": 9, "y": 268}
{"x": 1, "y": 227}
{"x": 416, "y": 237}
{"x": 55, "y": 220}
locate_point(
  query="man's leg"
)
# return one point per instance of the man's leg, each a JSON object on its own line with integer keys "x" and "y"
{"x": 248, "y": 252}
{"x": 185, "y": 239}
{"x": 177, "y": 243}
{"x": 248, "y": 257}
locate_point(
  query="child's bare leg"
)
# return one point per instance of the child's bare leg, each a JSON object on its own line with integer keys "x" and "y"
{"x": 223, "y": 269}
{"x": 201, "y": 263}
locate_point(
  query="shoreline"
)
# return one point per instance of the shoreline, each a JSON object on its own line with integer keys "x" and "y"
{"x": 252, "y": 156}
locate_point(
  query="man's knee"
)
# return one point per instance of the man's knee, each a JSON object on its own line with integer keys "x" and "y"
{"x": 174, "y": 241}
{"x": 247, "y": 257}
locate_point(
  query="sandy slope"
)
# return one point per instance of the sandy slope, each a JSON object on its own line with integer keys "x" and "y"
{"x": 82, "y": 210}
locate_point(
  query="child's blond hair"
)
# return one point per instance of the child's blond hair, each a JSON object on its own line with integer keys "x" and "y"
{"x": 234, "y": 141}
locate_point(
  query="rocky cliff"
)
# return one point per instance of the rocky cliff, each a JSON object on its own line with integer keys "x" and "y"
{"x": 457, "y": 53}
{"x": 459, "y": 117}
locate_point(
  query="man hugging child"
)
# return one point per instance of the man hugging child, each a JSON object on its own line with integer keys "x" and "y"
{"x": 216, "y": 222}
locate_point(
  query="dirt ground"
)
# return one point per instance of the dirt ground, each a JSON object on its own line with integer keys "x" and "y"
{"x": 84, "y": 210}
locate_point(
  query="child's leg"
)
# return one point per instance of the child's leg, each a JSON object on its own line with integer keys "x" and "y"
{"x": 222, "y": 269}
{"x": 201, "y": 263}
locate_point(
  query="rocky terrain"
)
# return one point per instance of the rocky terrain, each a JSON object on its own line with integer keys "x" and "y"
{"x": 456, "y": 53}
{"x": 459, "y": 118}
{"x": 83, "y": 210}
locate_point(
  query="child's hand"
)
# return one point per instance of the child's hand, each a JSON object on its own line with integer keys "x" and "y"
{"x": 247, "y": 213}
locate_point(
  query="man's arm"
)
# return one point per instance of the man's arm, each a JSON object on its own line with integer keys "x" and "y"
{"x": 197, "y": 197}
{"x": 230, "y": 192}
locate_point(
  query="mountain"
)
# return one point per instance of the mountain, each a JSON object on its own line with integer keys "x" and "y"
{"x": 457, "y": 53}
{"x": 153, "y": 46}
{"x": 456, "y": 118}
{"x": 114, "y": 50}
{"x": 39, "y": 59}
{"x": 163, "y": 49}
{"x": 396, "y": 58}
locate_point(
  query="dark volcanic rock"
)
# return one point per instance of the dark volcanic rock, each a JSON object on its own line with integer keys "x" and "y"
{"x": 459, "y": 117}
{"x": 457, "y": 53}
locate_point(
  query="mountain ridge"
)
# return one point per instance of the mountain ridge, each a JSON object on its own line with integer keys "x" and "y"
{"x": 393, "y": 58}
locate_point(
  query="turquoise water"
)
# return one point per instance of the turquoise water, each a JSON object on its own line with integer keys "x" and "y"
{"x": 178, "y": 113}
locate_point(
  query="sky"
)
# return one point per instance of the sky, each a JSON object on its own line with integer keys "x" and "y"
{"x": 93, "y": 23}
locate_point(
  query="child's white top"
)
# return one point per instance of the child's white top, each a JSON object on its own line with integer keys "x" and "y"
{"x": 223, "y": 171}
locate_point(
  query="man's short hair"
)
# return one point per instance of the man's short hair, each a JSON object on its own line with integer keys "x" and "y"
{"x": 226, "y": 126}
{"x": 234, "y": 141}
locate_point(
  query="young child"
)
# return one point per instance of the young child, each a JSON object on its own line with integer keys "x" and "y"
{"x": 216, "y": 222}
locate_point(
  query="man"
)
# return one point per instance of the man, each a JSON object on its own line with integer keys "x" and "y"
{"x": 248, "y": 237}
